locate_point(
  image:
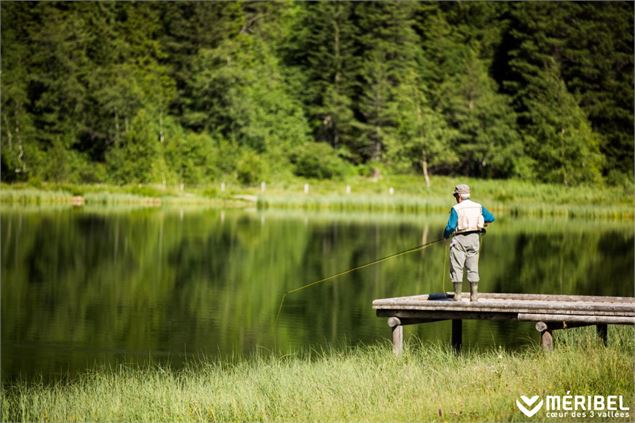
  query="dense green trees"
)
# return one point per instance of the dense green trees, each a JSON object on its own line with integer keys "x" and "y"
{"x": 194, "y": 92}
{"x": 323, "y": 49}
{"x": 484, "y": 141}
{"x": 554, "y": 59}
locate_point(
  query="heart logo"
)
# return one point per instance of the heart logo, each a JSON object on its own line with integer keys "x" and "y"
{"x": 527, "y": 403}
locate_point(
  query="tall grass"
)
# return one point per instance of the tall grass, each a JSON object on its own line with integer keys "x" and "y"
{"x": 428, "y": 383}
{"x": 399, "y": 194}
{"x": 34, "y": 196}
{"x": 110, "y": 195}
{"x": 410, "y": 195}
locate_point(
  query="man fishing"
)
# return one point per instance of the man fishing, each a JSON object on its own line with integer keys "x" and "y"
{"x": 467, "y": 222}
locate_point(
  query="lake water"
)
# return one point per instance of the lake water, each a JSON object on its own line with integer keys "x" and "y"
{"x": 83, "y": 288}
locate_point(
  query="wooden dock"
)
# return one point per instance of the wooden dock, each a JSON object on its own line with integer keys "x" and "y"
{"x": 550, "y": 312}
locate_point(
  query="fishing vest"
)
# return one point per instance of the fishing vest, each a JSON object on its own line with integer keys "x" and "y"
{"x": 470, "y": 216}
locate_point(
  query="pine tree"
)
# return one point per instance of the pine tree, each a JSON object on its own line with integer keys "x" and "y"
{"x": 58, "y": 84}
{"x": 242, "y": 98}
{"x": 597, "y": 65}
{"x": 559, "y": 137}
{"x": 324, "y": 50}
{"x": 437, "y": 87}
{"x": 132, "y": 86}
{"x": 188, "y": 27}
{"x": 389, "y": 51}
{"x": 591, "y": 45}
{"x": 485, "y": 141}
{"x": 20, "y": 154}
{"x": 423, "y": 136}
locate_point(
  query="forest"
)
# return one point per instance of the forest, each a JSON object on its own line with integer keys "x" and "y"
{"x": 197, "y": 92}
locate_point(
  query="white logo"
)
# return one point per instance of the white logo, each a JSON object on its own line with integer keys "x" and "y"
{"x": 575, "y": 406}
{"x": 527, "y": 403}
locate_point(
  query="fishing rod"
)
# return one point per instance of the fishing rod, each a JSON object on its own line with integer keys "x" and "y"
{"x": 379, "y": 260}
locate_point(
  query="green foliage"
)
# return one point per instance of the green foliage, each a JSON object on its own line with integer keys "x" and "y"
{"x": 324, "y": 49}
{"x": 560, "y": 139}
{"x": 319, "y": 161}
{"x": 251, "y": 168}
{"x": 136, "y": 158}
{"x": 66, "y": 165}
{"x": 422, "y": 139}
{"x": 485, "y": 141}
{"x": 542, "y": 50}
{"x": 493, "y": 90}
{"x": 244, "y": 98}
{"x": 389, "y": 61}
{"x": 19, "y": 154}
{"x": 191, "y": 157}
{"x": 484, "y": 137}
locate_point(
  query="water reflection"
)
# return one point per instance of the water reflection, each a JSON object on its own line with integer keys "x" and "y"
{"x": 81, "y": 287}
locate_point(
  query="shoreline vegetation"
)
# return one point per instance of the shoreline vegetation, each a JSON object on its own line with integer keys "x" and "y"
{"x": 400, "y": 194}
{"x": 365, "y": 383}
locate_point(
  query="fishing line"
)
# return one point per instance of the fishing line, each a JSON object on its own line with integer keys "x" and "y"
{"x": 400, "y": 253}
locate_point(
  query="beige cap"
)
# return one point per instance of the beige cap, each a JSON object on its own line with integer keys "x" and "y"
{"x": 461, "y": 189}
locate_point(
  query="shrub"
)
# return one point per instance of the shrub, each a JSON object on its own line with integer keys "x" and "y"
{"x": 251, "y": 167}
{"x": 318, "y": 160}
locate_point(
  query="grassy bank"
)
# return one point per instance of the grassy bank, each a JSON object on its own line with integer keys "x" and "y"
{"x": 112, "y": 195}
{"x": 429, "y": 383}
{"x": 409, "y": 194}
{"x": 387, "y": 194}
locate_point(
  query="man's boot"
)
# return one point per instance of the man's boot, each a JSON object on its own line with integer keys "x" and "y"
{"x": 473, "y": 292}
{"x": 458, "y": 287}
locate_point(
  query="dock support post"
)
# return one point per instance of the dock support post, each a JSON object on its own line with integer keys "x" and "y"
{"x": 457, "y": 334}
{"x": 603, "y": 333}
{"x": 397, "y": 335}
{"x": 546, "y": 339}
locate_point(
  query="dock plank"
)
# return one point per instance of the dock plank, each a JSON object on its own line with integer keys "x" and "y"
{"x": 489, "y": 303}
{"x": 550, "y": 311}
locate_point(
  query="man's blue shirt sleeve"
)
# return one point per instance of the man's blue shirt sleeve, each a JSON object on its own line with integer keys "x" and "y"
{"x": 452, "y": 223}
{"x": 487, "y": 216}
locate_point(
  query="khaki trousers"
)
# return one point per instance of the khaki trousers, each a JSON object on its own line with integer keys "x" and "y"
{"x": 464, "y": 254}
